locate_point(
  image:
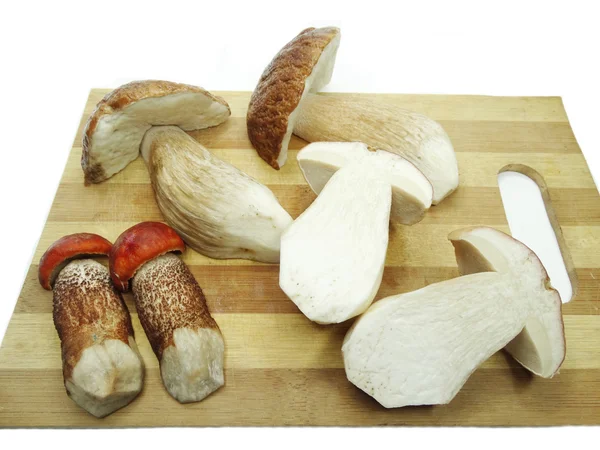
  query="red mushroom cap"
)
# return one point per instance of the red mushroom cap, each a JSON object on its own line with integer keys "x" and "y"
{"x": 67, "y": 248}
{"x": 138, "y": 245}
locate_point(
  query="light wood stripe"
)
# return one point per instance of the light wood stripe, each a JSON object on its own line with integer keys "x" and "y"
{"x": 262, "y": 341}
{"x": 255, "y": 289}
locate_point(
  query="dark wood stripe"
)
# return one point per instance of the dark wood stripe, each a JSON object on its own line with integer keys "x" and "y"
{"x": 467, "y": 206}
{"x": 255, "y": 289}
{"x": 511, "y": 397}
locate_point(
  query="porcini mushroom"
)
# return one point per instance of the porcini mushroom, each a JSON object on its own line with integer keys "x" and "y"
{"x": 218, "y": 210}
{"x": 172, "y": 309}
{"x": 303, "y": 65}
{"x": 411, "y": 191}
{"x": 416, "y": 137}
{"x": 114, "y": 131}
{"x": 333, "y": 255}
{"x": 419, "y": 348}
{"x": 102, "y": 368}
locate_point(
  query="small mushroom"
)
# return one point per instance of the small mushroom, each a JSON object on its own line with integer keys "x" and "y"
{"x": 114, "y": 131}
{"x": 217, "y": 209}
{"x": 419, "y": 348}
{"x": 172, "y": 309}
{"x": 102, "y": 368}
{"x": 304, "y": 65}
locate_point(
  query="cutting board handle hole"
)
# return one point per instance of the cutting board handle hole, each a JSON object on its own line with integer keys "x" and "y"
{"x": 532, "y": 220}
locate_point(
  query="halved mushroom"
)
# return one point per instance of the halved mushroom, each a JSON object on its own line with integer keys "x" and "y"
{"x": 114, "y": 131}
{"x": 303, "y": 65}
{"x": 411, "y": 191}
{"x": 333, "y": 255}
{"x": 411, "y": 135}
{"x": 102, "y": 368}
{"x": 172, "y": 310}
{"x": 419, "y": 348}
{"x": 218, "y": 210}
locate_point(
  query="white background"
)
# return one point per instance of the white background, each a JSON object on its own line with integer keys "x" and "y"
{"x": 54, "y": 52}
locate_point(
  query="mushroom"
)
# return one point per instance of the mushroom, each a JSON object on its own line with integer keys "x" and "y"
{"x": 419, "y": 348}
{"x": 102, "y": 368}
{"x": 172, "y": 309}
{"x": 304, "y": 65}
{"x": 411, "y": 135}
{"x": 285, "y": 102}
{"x": 333, "y": 255}
{"x": 217, "y": 209}
{"x": 114, "y": 131}
{"x": 411, "y": 191}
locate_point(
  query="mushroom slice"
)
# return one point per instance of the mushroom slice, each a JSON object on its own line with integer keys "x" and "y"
{"x": 419, "y": 348}
{"x": 217, "y": 209}
{"x": 411, "y": 191}
{"x": 304, "y": 65}
{"x": 411, "y": 135}
{"x": 102, "y": 368}
{"x": 333, "y": 255}
{"x": 172, "y": 310}
{"x": 114, "y": 131}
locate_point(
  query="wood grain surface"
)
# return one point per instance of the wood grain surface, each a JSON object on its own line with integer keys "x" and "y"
{"x": 282, "y": 369}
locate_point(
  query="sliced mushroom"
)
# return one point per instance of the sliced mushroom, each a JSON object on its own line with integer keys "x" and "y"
{"x": 411, "y": 191}
{"x": 172, "y": 310}
{"x": 102, "y": 368}
{"x": 114, "y": 131}
{"x": 420, "y": 348}
{"x": 303, "y": 65}
{"x": 218, "y": 210}
{"x": 411, "y": 135}
{"x": 333, "y": 255}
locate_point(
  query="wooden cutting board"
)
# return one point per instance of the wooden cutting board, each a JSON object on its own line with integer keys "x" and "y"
{"x": 281, "y": 369}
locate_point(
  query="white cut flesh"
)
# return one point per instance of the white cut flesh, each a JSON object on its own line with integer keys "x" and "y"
{"x": 217, "y": 209}
{"x": 419, "y": 348}
{"x": 411, "y": 191}
{"x": 384, "y": 126}
{"x": 317, "y": 80}
{"x": 117, "y": 137}
{"x": 107, "y": 377}
{"x": 333, "y": 255}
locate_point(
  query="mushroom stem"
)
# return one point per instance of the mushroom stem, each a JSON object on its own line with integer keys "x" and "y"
{"x": 185, "y": 338}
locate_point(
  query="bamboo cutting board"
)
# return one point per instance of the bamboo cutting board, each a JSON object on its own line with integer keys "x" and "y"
{"x": 281, "y": 369}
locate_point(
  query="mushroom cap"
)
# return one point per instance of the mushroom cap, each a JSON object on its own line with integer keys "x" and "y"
{"x": 412, "y": 193}
{"x": 138, "y": 245}
{"x": 114, "y": 130}
{"x": 303, "y": 65}
{"x": 67, "y": 248}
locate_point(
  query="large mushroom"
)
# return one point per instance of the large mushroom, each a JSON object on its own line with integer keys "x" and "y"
{"x": 102, "y": 368}
{"x": 420, "y": 348}
{"x": 172, "y": 309}
{"x": 114, "y": 131}
{"x": 285, "y": 102}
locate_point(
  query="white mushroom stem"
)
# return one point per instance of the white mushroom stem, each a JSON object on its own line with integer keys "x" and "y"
{"x": 419, "y": 348}
{"x": 419, "y": 139}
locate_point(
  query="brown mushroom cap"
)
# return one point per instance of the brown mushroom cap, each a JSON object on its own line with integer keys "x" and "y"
{"x": 304, "y": 65}
{"x": 67, "y": 248}
{"x": 138, "y": 245}
{"x": 115, "y": 129}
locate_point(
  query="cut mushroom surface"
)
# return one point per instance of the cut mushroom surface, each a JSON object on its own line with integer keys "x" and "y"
{"x": 115, "y": 129}
{"x": 333, "y": 255}
{"x": 419, "y": 348}
{"x": 303, "y": 65}
{"x": 416, "y": 137}
{"x": 217, "y": 209}
{"x": 102, "y": 368}
{"x": 411, "y": 191}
